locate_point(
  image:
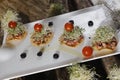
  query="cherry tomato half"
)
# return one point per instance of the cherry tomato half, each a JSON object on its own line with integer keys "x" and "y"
{"x": 87, "y": 51}
{"x": 12, "y": 24}
{"x": 68, "y": 26}
{"x": 38, "y": 27}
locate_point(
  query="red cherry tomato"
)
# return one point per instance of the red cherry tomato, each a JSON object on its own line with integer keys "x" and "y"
{"x": 12, "y": 24}
{"x": 38, "y": 27}
{"x": 87, "y": 51}
{"x": 68, "y": 26}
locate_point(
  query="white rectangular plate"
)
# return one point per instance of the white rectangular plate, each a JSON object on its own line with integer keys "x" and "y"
{"x": 12, "y": 65}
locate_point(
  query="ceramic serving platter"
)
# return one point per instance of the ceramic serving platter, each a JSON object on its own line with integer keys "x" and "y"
{"x": 12, "y": 65}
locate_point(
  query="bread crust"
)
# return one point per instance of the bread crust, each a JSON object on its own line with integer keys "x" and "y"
{"x": 15, "y": 41}
{"x": 71, "y": 43}
{"x": 104, "y": 51}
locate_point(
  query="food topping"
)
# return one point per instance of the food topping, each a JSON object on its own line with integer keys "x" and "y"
{"x": 41, "y": 35}
{"x": 104, "y": 34}
{"x": 16, "y": 32}
{"x": 72, "y": 38}
{"x": 87, "y": 51}
{"x": 12, "y": 24}
{"x": 9, "y": 16}
{"x": 69, "y": 27}
{"x": 72, "y": 35}
{"x": 76, "y": 33}
{"x": 38, "y": 27}
{"x": 105, "y": 38}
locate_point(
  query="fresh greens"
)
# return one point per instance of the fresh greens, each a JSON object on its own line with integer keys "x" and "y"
{"x": 10, "y": 15}
{"x": 19, "y": 29}
{"x": 114, "y": 73}
{"x": 81, "y": 73}
{"x": 74, "y": 34}
{"x": 40, "y": 35}
{"x": 104, "y": 34}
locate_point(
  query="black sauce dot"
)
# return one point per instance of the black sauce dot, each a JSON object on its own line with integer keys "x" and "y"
{"x": 89, "y": 37}
{"x": 71, "y": 21}
{"x": 50, "y": 23}
{"x": 39, "y": 53}
{"x": 48, "y": 45}
{"x": 90, "y": 23}
{"x": 23, "y": 55}
{"x": 118, "y": 27}
{"x": 56, "y": 56}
